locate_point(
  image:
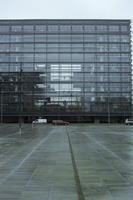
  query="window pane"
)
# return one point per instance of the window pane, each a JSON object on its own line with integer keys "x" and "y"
{"x": 65, "y": 38}
{"x": 40, "y": 28}
{"x": 28, "y": 28}
{"x": 28, "y": 47}
{"x": 113, "y": 28}
{"x": 4, "y": 38}
{"x": 52, "y": 38}
{"x": 90, "y": 38}
{"x": 53, "y": 57}
{"x": 16, "y": 28}
{"x": 124, "y": 28}
{"x": 4, "y": 47}
{"x": 77, "y": 28}
{"x": 40, "y": 57}
{"x": 4, "y": 67}
{"x": 114, "y": 38}
{"x": 28, "y": 38}
{"x": 4, "y": 28}
{"x": 52, "y": 28}
{"x": 16, "y": 47}
{"x": 65, "y": 28}
{"x": 102, "y": 38}
{"x": 77, "y": 38}
{"x": 124, "y": 38}
{"x": 40, "y": 38}
{"x": 89, "y": 28}
{"x": 40, "y": 47}
{"x": 101, "y": 28}
{"x": 16, "y": 38}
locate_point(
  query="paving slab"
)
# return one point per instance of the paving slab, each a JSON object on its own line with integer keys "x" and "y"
{"x": 40, "y": 164}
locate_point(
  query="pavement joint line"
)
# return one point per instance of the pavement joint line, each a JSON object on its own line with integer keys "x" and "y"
{"x": 26, "y": 158}
{"x": 12, "y": 156}
{"x": 105, "y": 148}
{"x": 76, "y": 174}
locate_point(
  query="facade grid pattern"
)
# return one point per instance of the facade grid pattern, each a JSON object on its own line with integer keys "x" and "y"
{"x": 69, "y": 68}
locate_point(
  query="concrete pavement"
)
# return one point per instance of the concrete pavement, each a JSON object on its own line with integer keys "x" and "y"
{"x": 77, "y": 162}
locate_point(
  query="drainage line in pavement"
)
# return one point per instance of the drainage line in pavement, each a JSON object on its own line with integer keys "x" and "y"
{"x": 76, "y": 175}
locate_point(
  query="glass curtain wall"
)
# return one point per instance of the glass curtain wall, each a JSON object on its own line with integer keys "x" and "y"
{"x": 65, "y": 68}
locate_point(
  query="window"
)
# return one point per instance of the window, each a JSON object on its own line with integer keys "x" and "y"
{"x": 4, "y": 38}
{"x": 28, "y": 67}
{"x": 40, "y": 28}
{"x": 77, "y": 38}
{"x": 102, "y": 38}
{"x": 65, "y": 28}
{"x": 125, "y": 47}
{"x": 77, "y": 48}
{"x": 4, "y": 47}
{"x": 89, "y": 28}
{"x": 102, "y": 48}
{"x": 102, "y": 57}
{"x": 28, "y": 28}
{"x": 114, "y": 58}
{"x": 53, "y": 47}
{"x": 113, "y": 28}
{"x": 115, "y": 79}
{"x": 77, "y": 57}
{"x": 16, "y": 47}
{"x": 14, "y": 67}
{"x": 77, "y": 28}
{"x": 28, "y": 47}
{"x": 4, "y": 57}
{"x": 16, "y": 38}
{"x": 101, "y": 28}
{"x": 40, "y": 67}
{"x": 124, "y": 38}
{"x": 15, "y": 57}
{"x": 4, "y": 28}
{"x": 16, "y": 28}
{"x": 39, "y": 57}
{"x": 40, "y": 38}
{"x": 125, "y": 57}
{"x": 52, "y": 28}
{"x": 28, "y": 38}
{"x": 65, "y": 57}
{"x": 64, "y": 47}
{"x": 89, "y": 57}
{"x": 65, "y": 87}
{"x": 102, "y": 67}
{"x": 89, "y": 67}
{"x": 40, "y": 47}
{"x": 65, "y": 38}
{"x": 114, "y": 38}
{"x": 53, "y": 57}
{"x": 124, "y": 28}
{"x": 4, "y": 68}
{"x": 52, "y": 38}
{"x": 114, "y": 47}
{"x": 114, "y": 68}
{"x": 89, "y": 38}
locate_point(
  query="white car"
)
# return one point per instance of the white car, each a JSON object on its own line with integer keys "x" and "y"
{"x": 129, "y": 121}
{"x": 40, "y": 121}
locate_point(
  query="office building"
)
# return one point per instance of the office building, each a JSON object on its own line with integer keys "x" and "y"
{"x": 78, "y": 70}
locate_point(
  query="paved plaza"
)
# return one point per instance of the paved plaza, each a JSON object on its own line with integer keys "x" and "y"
{"x": 75, "y": 162}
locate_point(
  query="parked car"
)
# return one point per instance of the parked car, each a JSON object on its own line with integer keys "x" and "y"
{"x": 60, "y": 122}
{"x": 40, "y": 121}
{"x": 129, "y": 121}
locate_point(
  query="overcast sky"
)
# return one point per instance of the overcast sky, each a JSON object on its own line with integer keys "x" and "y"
{"x": 66, "y": 9}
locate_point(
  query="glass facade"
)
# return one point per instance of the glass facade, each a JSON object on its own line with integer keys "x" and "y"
{"x": 74, "y": 68}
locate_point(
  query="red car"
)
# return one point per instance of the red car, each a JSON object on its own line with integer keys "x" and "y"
{"x": 60, "y": 122}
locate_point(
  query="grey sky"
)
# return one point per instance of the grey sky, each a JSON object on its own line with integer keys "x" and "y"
{"x": 58, "y": 9}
